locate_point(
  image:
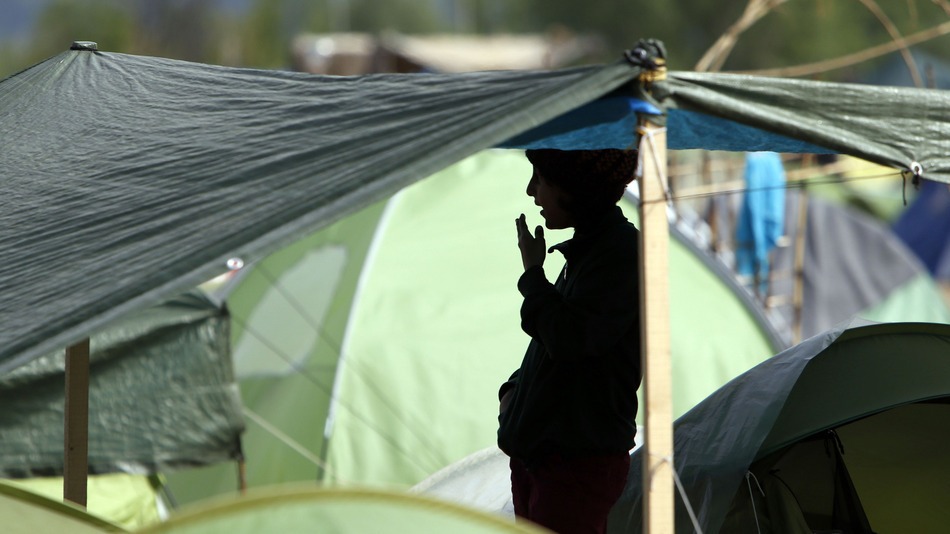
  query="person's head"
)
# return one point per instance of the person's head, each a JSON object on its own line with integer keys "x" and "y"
{"x": 577, "y": 185}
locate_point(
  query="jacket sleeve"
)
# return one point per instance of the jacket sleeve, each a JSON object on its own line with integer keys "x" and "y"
{"x": 509, "y": 385}
{"x": 603, "y": 306}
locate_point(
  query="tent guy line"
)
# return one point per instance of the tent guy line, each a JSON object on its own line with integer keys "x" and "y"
{"x": 337, "y": 347}
{"x": 788, "y": 186}
{"x": 315, "y": 381}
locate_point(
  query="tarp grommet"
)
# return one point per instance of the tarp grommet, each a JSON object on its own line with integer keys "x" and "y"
{"x": 917, "y": 169}
{"x": 84, "y": 45}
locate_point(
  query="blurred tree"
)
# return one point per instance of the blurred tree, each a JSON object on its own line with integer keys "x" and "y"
{"x": 404, "y": 16}
{"x": 107, "y": 22}
{"x": 258, "y": 33}
{"x": 270, "y": 26}
{"x": 180, "y": 29}
{"x": 806, "y": 31}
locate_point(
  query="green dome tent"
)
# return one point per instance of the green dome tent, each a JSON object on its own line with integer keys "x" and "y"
{"x": 879, "y": 395}
{"x": 371, "y": 352}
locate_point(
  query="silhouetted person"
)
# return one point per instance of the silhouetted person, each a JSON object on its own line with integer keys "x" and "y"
{"x": 567, "y": 414}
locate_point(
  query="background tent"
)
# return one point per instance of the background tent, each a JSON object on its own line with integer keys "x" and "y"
{"x": 162, "y": 396}
{"x": 299, "y": 509}
{"x": 239, "y": 162}
{"x": 371, "y": 351}
{"x": 884, "y": 390}
{"x": 853, "y": 266}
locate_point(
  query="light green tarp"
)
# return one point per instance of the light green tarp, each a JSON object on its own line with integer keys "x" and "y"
{"x": 130, "y": 501}
{"x": 24, "y": 512}
{"x": 301, "y": 509}
{"x": 407, "y": 313}
{"x": 102, "y": 216}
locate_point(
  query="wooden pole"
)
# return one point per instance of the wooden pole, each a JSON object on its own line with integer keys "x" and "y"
{"x": 658, "y": 511}
{"x": 798, "y": 280}
{"x": 76, "y": 430}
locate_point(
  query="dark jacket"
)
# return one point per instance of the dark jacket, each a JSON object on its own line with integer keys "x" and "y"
{"x": 576, "y": 391}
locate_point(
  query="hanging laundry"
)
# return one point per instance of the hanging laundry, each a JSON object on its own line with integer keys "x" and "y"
{"x": 762, "y": 216}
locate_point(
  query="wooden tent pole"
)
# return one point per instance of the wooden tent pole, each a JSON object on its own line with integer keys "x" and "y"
{"x": 658, "y": 511}
{"x": 76, "y": 431}
{"x": 798, "y": 275}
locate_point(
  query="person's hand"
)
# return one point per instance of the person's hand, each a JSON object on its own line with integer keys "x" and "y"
{"x": 532, "y": 248}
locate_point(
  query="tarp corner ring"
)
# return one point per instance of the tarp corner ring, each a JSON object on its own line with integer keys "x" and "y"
{"x": 84, "y": 45}
{"x": 917, "y": 169}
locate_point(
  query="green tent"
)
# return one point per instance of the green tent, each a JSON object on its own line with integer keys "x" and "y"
{"x": 843, "y": 431}
{"x": 291, "y": 510}
{"x": 371, "y": 351}
{"x": 24, "y": 512}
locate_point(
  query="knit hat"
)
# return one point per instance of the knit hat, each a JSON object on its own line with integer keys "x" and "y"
{"x": 598, "y": 175}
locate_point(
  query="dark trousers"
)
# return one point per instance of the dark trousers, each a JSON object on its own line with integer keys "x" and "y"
{"x": 569, "y": 495}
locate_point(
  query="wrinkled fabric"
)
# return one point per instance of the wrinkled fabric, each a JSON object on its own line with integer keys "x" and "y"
{"x": 762, "y": 216}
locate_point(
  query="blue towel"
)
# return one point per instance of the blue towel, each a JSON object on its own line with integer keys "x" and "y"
{"x": 762, "y": 218}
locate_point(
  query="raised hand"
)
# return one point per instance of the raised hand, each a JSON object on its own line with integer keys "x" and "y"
{"x": 533, "y": 249}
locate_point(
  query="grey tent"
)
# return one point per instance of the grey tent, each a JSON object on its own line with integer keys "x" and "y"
{"x": 853, "y": 265}
{"x": 162, "y": 396}
{"x": 126, "y": 179}
{"x": 846, "y": 431}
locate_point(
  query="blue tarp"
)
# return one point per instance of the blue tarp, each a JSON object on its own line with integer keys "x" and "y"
{"x": 611, "y": 122}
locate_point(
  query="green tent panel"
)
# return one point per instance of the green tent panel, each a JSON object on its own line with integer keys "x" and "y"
{"x": 25, "y": 512}
{"x": 294, "y": 510}
{"x": 434, "y": 330}
{"x": 131, "y": 501}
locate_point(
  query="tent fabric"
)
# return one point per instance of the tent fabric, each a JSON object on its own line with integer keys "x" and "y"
{"x": 296, "y": 508}
{"x": 893, "y": 126}
{"x": 411, "y": 345}
{"x": 162, "y": 395}
{"x": 102, "y": 215}
{"x": 833, "y": 379}
{"x": 130, "y": 501}
{"x": 762, "y": 216}
{"x": 853, "y": 266}
{"x": 127, "y": 179}
{"x": 24, "y": 512}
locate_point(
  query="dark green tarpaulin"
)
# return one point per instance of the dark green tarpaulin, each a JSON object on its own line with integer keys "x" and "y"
{"x": 126, "y": 179}
{"x": 894, "y": 126}
{"x": 162, "y": 395}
